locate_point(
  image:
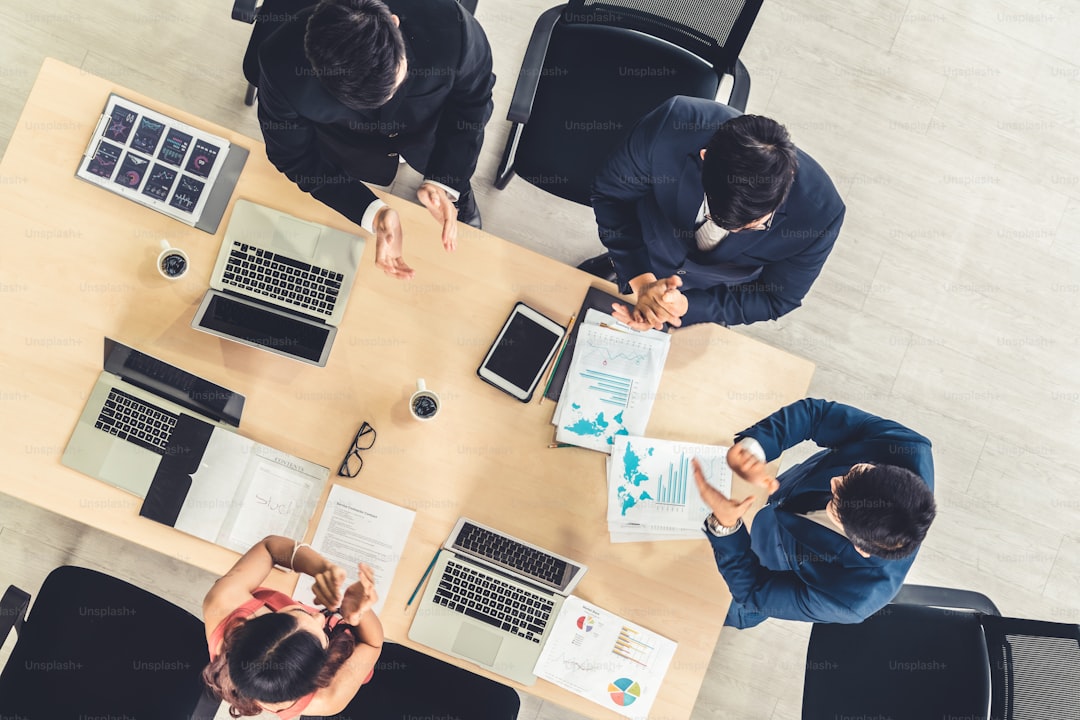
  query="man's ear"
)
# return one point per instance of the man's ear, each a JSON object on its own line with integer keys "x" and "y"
{"x": 702, "y": 153}
{"x": 397, "y": 20}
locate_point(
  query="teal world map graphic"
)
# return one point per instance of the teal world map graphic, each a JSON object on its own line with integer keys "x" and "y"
{"x": 597, "y": 425}
{"x": 631, "y": 494}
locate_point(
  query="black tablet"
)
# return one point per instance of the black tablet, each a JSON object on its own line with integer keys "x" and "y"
{"x": 524, "y": 347}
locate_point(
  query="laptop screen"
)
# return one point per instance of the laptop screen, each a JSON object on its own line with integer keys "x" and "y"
{"x": 274, "y": 330}
{"x": 169, "y": 381}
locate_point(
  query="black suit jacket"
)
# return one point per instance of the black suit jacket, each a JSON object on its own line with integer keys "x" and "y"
{"x": 646, "y": 201}
{"x": 435, "y": 120}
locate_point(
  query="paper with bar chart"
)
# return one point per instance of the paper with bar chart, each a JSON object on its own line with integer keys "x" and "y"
{"x": 610, "y": 385}
{"x": 651, "y": 488}
{"x": 602, "y": 657}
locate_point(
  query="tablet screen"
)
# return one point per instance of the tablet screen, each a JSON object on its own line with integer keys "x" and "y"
{"x": 522, "y": 352}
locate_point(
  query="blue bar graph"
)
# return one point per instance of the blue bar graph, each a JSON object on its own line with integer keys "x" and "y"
{"x": 613, "y": 389}
{"x": 672, "y": 489}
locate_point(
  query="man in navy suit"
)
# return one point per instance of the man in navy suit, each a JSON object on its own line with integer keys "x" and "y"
{"x": 712, "y": 216}
{"x": 349, "y": 87}
{"x": 840, "y": 530}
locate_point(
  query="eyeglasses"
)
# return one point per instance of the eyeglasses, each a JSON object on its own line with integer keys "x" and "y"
{"x": 747, "y": 228}
{"x": 353, "y": 463}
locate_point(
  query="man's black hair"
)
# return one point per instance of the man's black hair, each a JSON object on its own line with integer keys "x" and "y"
{"x": 885, "y": 510}
{"x": 355, "y": 50}
{"x": 749, "y": 166}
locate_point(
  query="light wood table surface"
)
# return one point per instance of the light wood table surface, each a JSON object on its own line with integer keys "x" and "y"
{"x": 79, "y": 265}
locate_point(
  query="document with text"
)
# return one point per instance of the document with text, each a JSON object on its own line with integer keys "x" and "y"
{"x": 357, "y": 528}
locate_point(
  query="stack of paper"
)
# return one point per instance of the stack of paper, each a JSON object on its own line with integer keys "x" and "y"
{"x": 357, "y": 528}
{"x": 652, "y": 494}
{"x": 604, "y": 658}
{"x": 611, "y": 383}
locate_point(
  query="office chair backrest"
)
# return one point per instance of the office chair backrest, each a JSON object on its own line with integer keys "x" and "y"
{"x": 94, "y": 646}
{"x": 714, "y": 29}
{"x": 1035, "y": 669}
{"x": 272, "y": 14}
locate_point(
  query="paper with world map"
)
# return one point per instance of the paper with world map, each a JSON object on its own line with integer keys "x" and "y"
{"x": 652, "y": 494}
{"x": 611, "y": 383}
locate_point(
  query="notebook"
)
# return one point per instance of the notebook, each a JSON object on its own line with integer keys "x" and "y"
{"x": 491, "y": 599}
{"x": 280, "y": 283}
{"x": 133, "y": 409}
{"x": 230, "y": 490}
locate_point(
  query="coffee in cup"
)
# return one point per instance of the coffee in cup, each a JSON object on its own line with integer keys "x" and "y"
{"x": 424, "y": 404}
{"x": 172, "y": 262}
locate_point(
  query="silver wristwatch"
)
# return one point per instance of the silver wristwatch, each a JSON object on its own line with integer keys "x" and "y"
{"x": 715, "y": 528}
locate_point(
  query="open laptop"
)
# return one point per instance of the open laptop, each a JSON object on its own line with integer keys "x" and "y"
{"x": 127, "y": 423}
{"x": 280, "y": 283}
{"x": 491, "y": 598}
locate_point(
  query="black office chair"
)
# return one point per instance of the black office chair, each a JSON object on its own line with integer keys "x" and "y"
{"x": 267, "y": 16}
{"x": 94, "y": 646}
{"x": 943, "y": 653}
{"x": 409, "y": 684}
{"x": 593, "y": 68}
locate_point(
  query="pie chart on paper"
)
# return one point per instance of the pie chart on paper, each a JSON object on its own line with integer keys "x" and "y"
{"x": 624, "y": 691}
{"x": 586, "y": 623}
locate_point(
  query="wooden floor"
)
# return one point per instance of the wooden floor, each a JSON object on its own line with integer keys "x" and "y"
{"x": 950, "y": 302}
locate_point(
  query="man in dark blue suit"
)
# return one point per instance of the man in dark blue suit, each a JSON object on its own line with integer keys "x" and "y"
{"x": 712, "y": 216}
{"x": 347, "y": 88}
{"x": 840, "y": 530}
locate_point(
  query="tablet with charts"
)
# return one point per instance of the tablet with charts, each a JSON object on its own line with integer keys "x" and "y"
{"x": 162, "y": 163}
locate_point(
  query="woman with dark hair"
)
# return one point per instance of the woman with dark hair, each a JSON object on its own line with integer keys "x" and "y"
{"x": 269, "y": 652}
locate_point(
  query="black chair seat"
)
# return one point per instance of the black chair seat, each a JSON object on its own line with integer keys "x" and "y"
{"x": 409, "y": 684}
{"x": 595, "y": 83}
{"x": 94, "y": 646}
{"x": 905, "y": 663}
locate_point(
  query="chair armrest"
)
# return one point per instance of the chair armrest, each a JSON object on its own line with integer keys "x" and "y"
{"x": 740, "y": 90}
{"x": 12, "y": 610}
{"x": 244, "y": 10}
{"x": 532, "y": 65}
{"x": 945, "y": 598}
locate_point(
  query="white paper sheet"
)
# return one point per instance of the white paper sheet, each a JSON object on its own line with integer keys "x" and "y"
{"x": 357, "y": 528}
{"x": 652, "y": 494}
{"x": 604, "y": 658}
{"x": 610, "y": 385}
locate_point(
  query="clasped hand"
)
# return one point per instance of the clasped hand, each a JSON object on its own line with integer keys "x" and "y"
{"x": 658, "y": 302}
{"x": 357, "y": 599}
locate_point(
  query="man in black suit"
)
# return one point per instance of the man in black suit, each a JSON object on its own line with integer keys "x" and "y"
{"x": 347, "y": 88}
{"x": 709, "y": 215}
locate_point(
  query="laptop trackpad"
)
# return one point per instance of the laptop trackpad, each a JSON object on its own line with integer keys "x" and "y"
{"x": 477, "y": 644}
{"x": 295, "y": 239}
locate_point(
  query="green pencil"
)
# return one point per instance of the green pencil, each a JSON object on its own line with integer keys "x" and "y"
{"x": 422, "y": 579}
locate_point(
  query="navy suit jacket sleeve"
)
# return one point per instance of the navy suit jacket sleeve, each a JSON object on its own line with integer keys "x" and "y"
{"x": 626, "y": 178}
{"x": 292, "y": 147}
{"x": 772, "y": 593}
{"x": 467, "y": 109}
{"x": 829, "y": 424}
{"x": 777, "y": 291}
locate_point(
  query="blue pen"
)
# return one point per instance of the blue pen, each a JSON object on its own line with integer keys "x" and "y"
{"x": 422, "y": 579}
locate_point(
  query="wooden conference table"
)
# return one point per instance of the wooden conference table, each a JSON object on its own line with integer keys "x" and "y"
{"x": 78, "y": 264}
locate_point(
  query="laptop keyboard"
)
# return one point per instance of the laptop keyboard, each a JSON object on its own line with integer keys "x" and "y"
{"x": 487, "y": 598}
{"x": 129, "y": 418}
{"x": 282, "y": 278}
{"x": 510, "y": 553}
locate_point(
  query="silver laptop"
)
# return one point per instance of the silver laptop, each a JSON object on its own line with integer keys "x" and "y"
{"x": 280, "y": 283}
{"x": 127, "y": 423}
{"x": 491, "y": 598}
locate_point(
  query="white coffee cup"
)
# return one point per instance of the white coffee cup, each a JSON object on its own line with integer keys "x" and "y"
{"x": 172, "y": 263}
{"x": 424, "y": 404}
